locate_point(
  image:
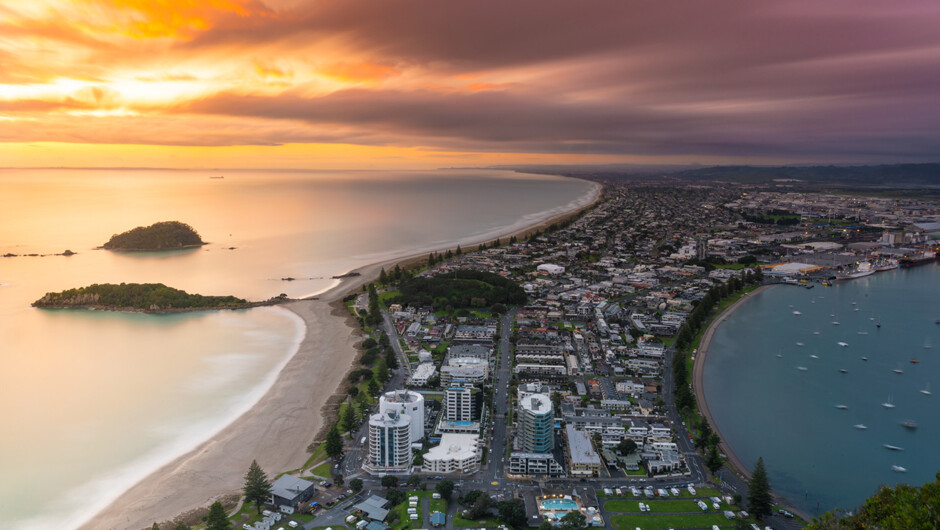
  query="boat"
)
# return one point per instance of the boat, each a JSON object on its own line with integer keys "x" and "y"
{"x": 843, "y": 344}
{"x": 815, "y": 333}
{"x": 909, "y": 424}
{"x": 835, "y": 322}
{"x": 864, "y": 358}
{"x": 800, "y": 344}
{"x": 898, "y": 469}
{"x": 926, "y": 391}
{"x": 797, "y": 313}
{"x": 918, "y": 259}
{"x": 842, "y": 407}
{"x": 914, "y": 361}
{"x": 898, "y": 371}
{"x": 814, "y": 356}
{"x": 802, "y": 368}
{"x": 886, "y": 265}
{"x": 878, "y": 325}
{"x": 827, "y": 284}
{"x": 888, "y": 404}
{"x": 843, "y": 370}
{"x": 892, "y": 447}
{"x": 860, "y": 426}
{"x": 861, "y": 270}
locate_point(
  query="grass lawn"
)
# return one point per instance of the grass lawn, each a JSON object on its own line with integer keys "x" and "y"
{"x": 637, "y": 473}
{"x": 700, "y": 492}
{"x": 318, "y": 454}
{"x": 404, "y": 520}
{"x": 647, "y": 521}
{"x": 488, "y": 521}
{"x": 384, "y": 297}
{"x": 438, "y": 505}
{"x": 322, "y": 470}
{"x": 676, "y": 506}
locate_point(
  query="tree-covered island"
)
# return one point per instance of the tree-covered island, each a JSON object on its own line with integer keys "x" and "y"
{"x": 143, "y": 298}
{"x": 167, "y": 235}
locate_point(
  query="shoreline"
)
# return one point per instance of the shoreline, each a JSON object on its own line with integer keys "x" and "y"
{"x": 698, "y": 367}
{"x": 296, "y": 410}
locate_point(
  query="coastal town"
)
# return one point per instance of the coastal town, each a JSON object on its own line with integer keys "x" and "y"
{"x": 544, "y": 380}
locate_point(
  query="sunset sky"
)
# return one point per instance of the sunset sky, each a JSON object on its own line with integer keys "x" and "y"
{"x": 390, "y": 84}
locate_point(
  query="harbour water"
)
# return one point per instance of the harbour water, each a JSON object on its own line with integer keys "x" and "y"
{"x": 93, "y": 401}
{"x": 775, "y": 386}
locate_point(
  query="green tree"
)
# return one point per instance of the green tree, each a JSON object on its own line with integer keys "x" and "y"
{"x": 155, "y": 526}
{"x": 546, "y": 526}
{"x": 381, "y": 371}
{"x": 334, "y": 443}
{"x": 181, "y": 526}
{"x": 373, "y": 387}
{"x": 383, "y": 276}
{"x": 349, "y": 418}
{"x": 257, "y": 486}
{"x": 414, "y": 480}
{"x": 355, "y": 485}
{"x": 626, "y": 447}
{"x": 217, "y": 520}
{"x": 573, "y": 521}
{"x": 759, "y": 500}
{"x": 512, "y": 513}
{"x": 713, "y": 461}
{"x": 389, "y": 481}
{"x": 445, "y": 488}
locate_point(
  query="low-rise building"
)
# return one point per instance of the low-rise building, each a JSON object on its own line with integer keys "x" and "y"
{"x": 583, "y": 460}
{"x": 457, "y": 453}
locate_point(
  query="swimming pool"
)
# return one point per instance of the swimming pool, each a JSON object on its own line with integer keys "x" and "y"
{"x": 559, "y": 504}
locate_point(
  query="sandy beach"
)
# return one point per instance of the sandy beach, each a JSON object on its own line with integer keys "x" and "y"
{"x": 733, "y": 461}
{"x": 278, "y": 429}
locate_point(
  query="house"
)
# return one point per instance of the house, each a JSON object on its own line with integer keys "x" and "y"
{"x": 374, "y": 508}
{"x": 291, "y": 491}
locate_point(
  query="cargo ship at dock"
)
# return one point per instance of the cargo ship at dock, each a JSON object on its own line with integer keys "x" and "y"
{"x": 918, "y": 259}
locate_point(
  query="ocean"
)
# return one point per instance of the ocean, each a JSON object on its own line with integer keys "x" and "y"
{"x": 92, "y": 401}
{"x": 775, "y": 389}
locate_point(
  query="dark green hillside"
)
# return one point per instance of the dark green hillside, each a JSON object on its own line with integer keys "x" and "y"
{"x": 136, "y": 296}
{"x": 168, "y": 235}
{"x": 902, "y": 507}
{"x": 460, "y": 289}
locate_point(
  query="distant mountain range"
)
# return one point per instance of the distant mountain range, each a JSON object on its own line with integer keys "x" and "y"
{"x": 880, "y": 176}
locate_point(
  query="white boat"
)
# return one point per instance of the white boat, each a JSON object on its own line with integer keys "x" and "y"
{"x": 842, "y": 407}
{"x": 898, "y": 469}
{"x": 863, "y": 269}
{"x": 815, "y": 333}
{"x": 864, "y": 358}
{"x": 802, "y": 368}
{"x": 835, "y": 323}
{"x": 898, "y": 371}
{"x": 800, "y": 344}
{"x": 797, "y": 313}
{"x": 888, "y": 404}
{"x": 909, "y": 424}
{"x": 886, "y": 265}
{"x": 860, "y": 426}
{"x": 843, "y": 344}
{"x": 814, "y": 357}
{"x": 892, "y": 447}
{"x": 843, "y": 370}
{"x": 781, "y": 357}
{"x": 926, "y": 391}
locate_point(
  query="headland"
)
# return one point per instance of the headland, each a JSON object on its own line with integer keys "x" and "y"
{"x": 278, "y": 429}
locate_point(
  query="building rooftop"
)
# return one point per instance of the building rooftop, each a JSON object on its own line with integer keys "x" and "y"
{"x": 579, "y": 445}
{"x": 288, "y": 487}
{"x": 537, "y": 403}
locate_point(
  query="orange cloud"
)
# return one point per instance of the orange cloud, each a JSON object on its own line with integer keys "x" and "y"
{"x": 143, "y": 19}
{"x": 479, "y": 85}
{"x": 363, "y": 72}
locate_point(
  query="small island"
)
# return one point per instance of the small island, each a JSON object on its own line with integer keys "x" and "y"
{"x": 143, "y": 298}
{"x": 167, "y": 235}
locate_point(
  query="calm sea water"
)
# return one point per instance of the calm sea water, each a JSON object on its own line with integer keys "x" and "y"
{"x": 90, "y": 402}
{"x": 766, "y": 406}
